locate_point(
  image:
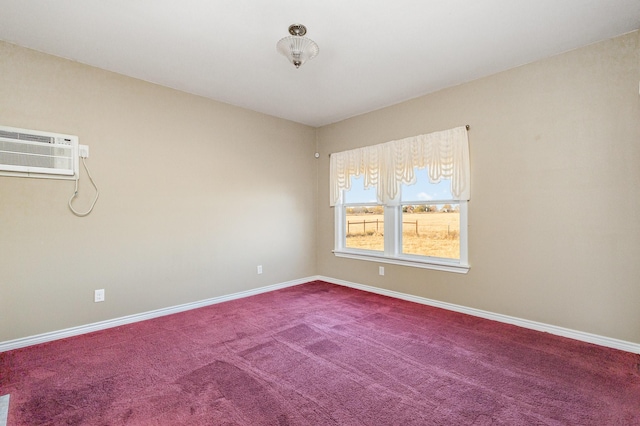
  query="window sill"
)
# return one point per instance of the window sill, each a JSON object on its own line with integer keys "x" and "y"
{"x": 406, "y": 261}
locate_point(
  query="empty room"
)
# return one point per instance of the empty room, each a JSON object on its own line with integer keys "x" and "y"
{"x": 319, "y": 213}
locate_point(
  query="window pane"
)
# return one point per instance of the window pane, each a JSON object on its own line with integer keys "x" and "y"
{"x": 431, "y": 230}
{"x": 423, "y": 190}
{"x": 357, "y": 193}
{"x": 364, "y": 227}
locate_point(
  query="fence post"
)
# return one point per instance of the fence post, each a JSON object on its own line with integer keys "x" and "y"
{"x": 377, "y": 225}
{"x": 417, "y": 228}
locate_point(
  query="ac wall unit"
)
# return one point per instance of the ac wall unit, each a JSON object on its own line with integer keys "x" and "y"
{"x": 32, "y": 153}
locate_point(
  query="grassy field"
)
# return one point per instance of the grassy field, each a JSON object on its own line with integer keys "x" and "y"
{"x": 438, "y": 234}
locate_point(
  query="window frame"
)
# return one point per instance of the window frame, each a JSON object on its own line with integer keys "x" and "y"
{"x": 392, "y": 253}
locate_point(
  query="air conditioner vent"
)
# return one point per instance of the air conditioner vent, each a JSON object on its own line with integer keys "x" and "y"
{"x": 31, "y": 153}
{"x": 26, "y": 137}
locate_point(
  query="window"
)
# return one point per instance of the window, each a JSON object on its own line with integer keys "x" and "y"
{"x": 430, "y": 219}
{"x": 363, "y": 219}
{"x": 416, "y": 220}
{"x": 428, "y": 228}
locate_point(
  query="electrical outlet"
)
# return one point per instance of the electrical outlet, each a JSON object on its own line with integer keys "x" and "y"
{"x": 259, "y": 269}
{"x": 83, "y": 151}
{"x": 381, "y": 270}
{"x": 99, "y": 295}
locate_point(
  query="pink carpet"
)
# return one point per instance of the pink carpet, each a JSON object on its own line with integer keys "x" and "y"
{"x": 320, "y": 354}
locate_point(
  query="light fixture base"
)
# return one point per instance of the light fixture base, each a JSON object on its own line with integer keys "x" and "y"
{"x": 297, "y": 30}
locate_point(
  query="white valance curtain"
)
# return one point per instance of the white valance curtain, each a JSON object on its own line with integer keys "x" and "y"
{"x": 389, "y": 165}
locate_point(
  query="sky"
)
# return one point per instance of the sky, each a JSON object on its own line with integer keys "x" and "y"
{"x": 420, "y": 193}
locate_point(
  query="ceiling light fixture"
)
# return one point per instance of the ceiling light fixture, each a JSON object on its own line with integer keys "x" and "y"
{"x": 297, "y": 48}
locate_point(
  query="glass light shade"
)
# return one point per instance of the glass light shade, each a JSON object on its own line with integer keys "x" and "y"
{"x": 297, "y": 49}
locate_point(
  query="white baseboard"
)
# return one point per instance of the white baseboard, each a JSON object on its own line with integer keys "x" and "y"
{"x": 533, "y": 325}
{"x": 116, "y": 322}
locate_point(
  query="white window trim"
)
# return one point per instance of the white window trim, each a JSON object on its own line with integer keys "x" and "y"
{"x": 393, "y": 243}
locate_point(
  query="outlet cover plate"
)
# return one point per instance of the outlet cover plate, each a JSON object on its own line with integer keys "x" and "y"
{"x": 83, "y": 151}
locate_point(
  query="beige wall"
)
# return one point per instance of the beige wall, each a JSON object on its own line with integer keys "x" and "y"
{"x": 193, "y": 195}
{"x": 553, "y": 226}
{"x": 554, "y": 234}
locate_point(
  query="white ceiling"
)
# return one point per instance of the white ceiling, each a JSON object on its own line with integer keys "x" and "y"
{"x": 373, "y": 53}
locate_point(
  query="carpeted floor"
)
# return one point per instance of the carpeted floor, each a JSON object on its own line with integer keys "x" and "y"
{"x": 320, "y": 354}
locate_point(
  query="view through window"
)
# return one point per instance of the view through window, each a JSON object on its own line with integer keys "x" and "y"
{"x": 429, "y": 219}
{"x": 364, "y": 219}
{"x": 365, "y": 227}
